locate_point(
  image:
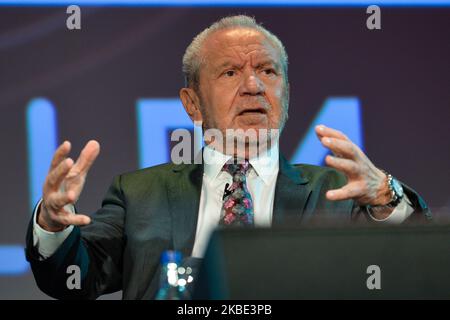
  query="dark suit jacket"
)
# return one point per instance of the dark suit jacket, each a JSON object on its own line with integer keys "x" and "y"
{"x": 155, "y": 209}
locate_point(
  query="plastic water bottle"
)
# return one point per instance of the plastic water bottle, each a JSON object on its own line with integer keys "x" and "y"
{"x": 171, "y": 286}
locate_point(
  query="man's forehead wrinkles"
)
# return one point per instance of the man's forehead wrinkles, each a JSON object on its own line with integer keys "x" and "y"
{"x": 236, "y": 54}
{"x": 241, "y": 61}
{"x": 246, "y": 47}
{"x": 249, "y": 52}
{"x": 255, "y": 52}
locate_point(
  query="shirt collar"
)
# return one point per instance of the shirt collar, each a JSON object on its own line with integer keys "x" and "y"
{"x": 265, "y": 166}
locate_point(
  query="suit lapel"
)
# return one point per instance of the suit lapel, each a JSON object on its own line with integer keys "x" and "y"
{"x": 291, "y": 194}
{"x": 184, "y": 198}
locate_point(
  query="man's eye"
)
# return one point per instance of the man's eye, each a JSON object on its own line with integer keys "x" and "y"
{"x": 230, "y": 73}
{"x": 269, "y": 71}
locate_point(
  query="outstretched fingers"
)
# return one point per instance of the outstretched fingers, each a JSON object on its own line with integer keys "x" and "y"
{"x": 349, "y": 191}
{"x": 57, "y": 175}
{"x": 60, "y": 154}
{"x": 87, "y": 157}
{"x": 324, "y": 131}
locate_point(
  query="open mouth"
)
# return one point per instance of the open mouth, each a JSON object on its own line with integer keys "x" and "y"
{"x": 253, "y": 111}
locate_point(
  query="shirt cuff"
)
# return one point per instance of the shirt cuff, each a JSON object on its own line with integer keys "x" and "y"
{"x": 401, "y": 212}
{"x": 47, "y": 242}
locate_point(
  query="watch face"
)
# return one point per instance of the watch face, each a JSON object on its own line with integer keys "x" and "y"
{"x": 397, "y": 188}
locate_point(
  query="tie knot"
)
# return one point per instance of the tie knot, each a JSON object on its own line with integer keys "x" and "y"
{"x": 236, "y": 168}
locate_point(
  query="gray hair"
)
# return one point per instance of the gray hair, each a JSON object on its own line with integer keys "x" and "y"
{"x": 192, "y": 58}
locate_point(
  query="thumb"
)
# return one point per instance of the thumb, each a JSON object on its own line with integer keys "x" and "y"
{"x": 78, "y": 219}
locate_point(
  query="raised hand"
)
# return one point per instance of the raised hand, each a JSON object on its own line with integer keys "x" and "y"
{"x": 63, "y": 185}
{"x": 367, "y": 184}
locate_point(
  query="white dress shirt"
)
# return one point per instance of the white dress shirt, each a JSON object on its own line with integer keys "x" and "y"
{"x": 261, "y": 182}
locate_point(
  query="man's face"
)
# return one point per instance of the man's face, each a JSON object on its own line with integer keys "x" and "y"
{"x": 242, "y": 85}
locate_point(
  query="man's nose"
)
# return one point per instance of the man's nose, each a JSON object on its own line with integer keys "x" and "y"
{"x": 251, "y": 85}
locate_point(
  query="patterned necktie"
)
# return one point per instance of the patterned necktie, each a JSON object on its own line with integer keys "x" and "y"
{"x": 237, "y": 209}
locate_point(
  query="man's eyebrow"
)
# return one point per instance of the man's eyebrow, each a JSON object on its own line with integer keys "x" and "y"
{"x": 266, "y": 63}
{"x": 228, "y": 64}
{"x": 262, "y": 64}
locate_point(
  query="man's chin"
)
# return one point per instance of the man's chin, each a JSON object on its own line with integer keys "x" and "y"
{"x": 260, "y": 128}
{"x": 245, "y": 141}
{"x": 253, "y": 135}
{"x": 252, "y": 121}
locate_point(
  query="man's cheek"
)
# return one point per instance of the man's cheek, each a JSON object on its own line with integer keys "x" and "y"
{"x": 279, "y": 93}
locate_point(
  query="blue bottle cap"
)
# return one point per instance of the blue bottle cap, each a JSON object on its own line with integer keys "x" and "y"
{"x": 171, "y": 256}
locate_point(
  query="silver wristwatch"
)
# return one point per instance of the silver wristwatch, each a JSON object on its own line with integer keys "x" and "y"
{"x": 396, "y": 190}
{"x": 397, "y": 194}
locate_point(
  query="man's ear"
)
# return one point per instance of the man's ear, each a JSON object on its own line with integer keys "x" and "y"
{"x": 191, "y": 103}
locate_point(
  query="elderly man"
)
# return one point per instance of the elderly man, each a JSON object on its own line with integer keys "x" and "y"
{"x": 236, "y": 78}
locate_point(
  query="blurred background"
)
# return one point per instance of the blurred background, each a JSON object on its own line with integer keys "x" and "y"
{"x": 117, "y": 79}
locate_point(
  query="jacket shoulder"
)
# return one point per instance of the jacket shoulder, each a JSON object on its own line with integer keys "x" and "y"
{"x": 146, "y": 177}
{"x": 154, "y": 170}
